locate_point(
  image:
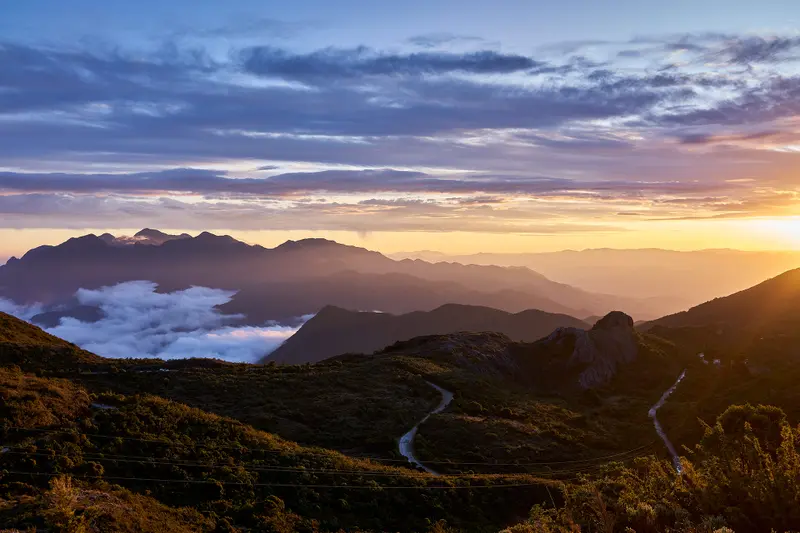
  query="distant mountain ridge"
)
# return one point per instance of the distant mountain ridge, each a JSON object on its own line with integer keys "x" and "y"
{"x": 668, "y": 280}
{"x": 146, "y": 236}
{"x": 293, "y": 279}
{"x": 334, "y": 331}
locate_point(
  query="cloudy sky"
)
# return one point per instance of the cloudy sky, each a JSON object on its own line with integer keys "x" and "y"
{"x": 452, "y": 125}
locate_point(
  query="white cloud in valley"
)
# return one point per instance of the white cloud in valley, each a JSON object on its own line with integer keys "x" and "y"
{"x": 141, "y": 322}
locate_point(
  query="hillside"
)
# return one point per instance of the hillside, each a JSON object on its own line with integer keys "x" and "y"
{"x": 749, "y": 345}
{"x": 14, "y": 330}
{"x": 514, "y": 402}
{"x": 64, "y": 446}
{"x": 24, "y": 344}
{"x": 549, "y": 432}
{"x": 769, "y": 309}
{"x": 335, "y": 331}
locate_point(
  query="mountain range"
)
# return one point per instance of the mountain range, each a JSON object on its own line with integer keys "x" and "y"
{"x": 669, "y": 280}
{"x": 290, "y": 280}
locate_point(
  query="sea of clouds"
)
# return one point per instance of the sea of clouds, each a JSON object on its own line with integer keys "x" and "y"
{"x": 140, "y": 322}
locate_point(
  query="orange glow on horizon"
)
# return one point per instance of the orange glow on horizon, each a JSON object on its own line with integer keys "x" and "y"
{"x": 744, "y": 234}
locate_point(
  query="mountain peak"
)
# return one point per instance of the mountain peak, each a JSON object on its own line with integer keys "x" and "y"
{"x": 308, "y": 244}
{"x": 598, "y": 352}
{"x": 84, "y": 242}
{"x": 150, "y": 233}
{"x": 333, "y": 310}
{"x": 209, "y": 237}
{"x": 613, "y": 320}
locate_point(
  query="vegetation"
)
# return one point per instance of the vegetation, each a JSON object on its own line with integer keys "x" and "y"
{"x": 72, "y": 506}
{"x": 25, "y": 345}
{"x": 91, "y": 444}
{"x": 228, "y": 471}
{"x": 743, "y": 476}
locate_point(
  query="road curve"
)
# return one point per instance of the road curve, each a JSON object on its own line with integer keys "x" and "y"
{"x": 676, "y": 460}
{"x": 406, "y": 443}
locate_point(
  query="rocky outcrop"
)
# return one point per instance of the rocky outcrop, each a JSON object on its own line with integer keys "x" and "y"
{"x": 486, "y": 353}
{"x": 612, "y": 341}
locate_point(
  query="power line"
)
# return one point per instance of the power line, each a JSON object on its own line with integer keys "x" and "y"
{"x": 333, "y": 452}
{"x": 249, "y": 467}
{"x": 300, "y": 485}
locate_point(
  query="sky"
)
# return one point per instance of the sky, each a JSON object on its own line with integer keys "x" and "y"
{"x": 462, "y": 127}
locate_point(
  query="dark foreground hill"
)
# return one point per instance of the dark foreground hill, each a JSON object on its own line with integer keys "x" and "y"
{"x": 546, "y": 436}
{"x": 24, "y": 344}
{"x": 335, "y": 331}
{"x": 293, "y": 279}
{"x": 68, "y": 452}
{"x": 745, "y": 347}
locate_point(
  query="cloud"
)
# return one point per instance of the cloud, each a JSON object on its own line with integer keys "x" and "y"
{"x": 95, "y": 129}
{"x": 140, "y": 322}
{"x": 208, "y": 182}
{"x": 436, "y": 40}
{"x": 708, "y": 138}
{"x": 25, "y": 312}
{"x": 757, "y": 49}
{"x": 332, "y": 64}
{"x": 243, "y": 28}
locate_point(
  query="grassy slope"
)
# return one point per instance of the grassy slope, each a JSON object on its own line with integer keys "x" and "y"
{"x": 755, "y": 336}
{"x": 362, "y": 404}
{"x": 515, "y": 421}
{"x": 71, "y": 505}
{"x": 242, "y": 470}
{"x": 24, "y": 345}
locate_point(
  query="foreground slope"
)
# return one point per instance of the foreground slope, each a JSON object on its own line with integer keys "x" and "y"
{"x": 571, "y": 406}
{"x": 24, "y": 344}
{"x": 335, "y": 331}
{"x": 577, "y": 394}
{"x": 744, "y": 349}
{"x": 63, "y": 445}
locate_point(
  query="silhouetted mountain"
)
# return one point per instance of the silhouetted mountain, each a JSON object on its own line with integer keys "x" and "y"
{"x": 146, "y": 236}
{"x": 335, "y": 331}
{"x": 390, "y": 293}
{"x": 769, "y": 309}
{"x": 295, "y": 278}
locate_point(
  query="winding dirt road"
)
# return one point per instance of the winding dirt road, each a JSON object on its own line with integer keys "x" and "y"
{"x": 406, "y": 443}
{"x": 676, "y": 460}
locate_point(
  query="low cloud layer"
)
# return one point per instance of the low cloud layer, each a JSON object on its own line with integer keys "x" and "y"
{"x": 25, "y": 312}
{"x": 140, "y": 322}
